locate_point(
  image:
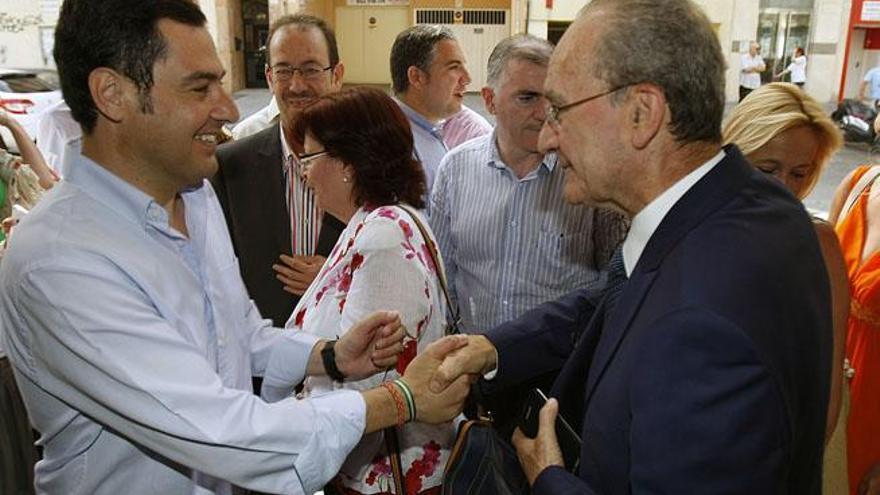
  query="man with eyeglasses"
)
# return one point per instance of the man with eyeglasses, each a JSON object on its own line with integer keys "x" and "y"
{"x": 704, "y": 368}
{"x": 279, "y": 234}
{"x": 429, "y": 77}
{"x": 529, "y": 246}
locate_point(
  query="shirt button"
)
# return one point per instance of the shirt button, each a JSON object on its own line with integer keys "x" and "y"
{"x": 513, "y": 223}
{"x": 505, "y": 303}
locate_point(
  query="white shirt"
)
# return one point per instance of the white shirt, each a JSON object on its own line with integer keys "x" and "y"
{"x": 259, "y": 120}
{"x": 55, "y": 129}
{"x": 798, "y": 69}
{"x": 646, "y": 221}
{"x": 751, "y": 80}
{"x": 134, "y": 347}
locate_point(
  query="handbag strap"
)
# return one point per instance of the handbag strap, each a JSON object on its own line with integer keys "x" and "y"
{"x": 858, "y": 189}
{"x": 393, "y": 448}
{"x": 438, "y": 264}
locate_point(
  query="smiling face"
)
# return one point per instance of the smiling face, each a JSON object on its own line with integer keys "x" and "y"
{"x": 296, "y": 46}
{"x": 519, "y": 105}
{"x": 445, "y": 82}
{"x": 177, "y": 133}
{"x": 790, "y": 157}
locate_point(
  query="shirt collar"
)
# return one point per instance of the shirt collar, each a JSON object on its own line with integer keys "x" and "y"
{"x": 494, "y": 159}
{"x": 646, "y": 221}
{"x": 111, "y": 190}
{"x": 434, "y": 128}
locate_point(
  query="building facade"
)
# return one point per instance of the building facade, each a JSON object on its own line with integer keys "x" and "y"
{"x": 840, "y": 42}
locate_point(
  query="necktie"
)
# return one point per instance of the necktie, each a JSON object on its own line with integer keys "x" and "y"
{"x": 616, "y": 281}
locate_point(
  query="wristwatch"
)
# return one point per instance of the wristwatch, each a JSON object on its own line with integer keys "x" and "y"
{"x": 328, "y": 357}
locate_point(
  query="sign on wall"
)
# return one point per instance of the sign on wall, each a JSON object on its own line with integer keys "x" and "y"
{"x": 379, "y": 3}
{"x": 871, "y": 11}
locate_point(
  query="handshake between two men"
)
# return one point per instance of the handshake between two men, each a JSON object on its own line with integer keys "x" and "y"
{"x": 438, "y": 382}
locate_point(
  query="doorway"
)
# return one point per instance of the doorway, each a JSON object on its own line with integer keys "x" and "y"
{"x": 780, "y": 31}
{"x": 255, "y": 16}
{"x": 365, "y": 36}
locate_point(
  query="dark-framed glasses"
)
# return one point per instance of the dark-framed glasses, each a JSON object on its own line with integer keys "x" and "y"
{"x": 285, "y": 73}
{"x": 554, "y": 112}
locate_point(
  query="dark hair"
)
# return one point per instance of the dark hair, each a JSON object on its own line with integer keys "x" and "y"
{"x": 118, "y": 34}
{"x": 366, "y": 129}
{"x": 675, "y": 49}
{"x": 414, "y": 46}
{"x": 305, "y": 21}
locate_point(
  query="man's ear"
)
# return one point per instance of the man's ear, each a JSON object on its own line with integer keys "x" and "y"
{"x": 108, "y": 92}
{"x": 416, "y": 77}
{"x": 489, "y": 99}
{"x": 338, "y": 72}
{"x": 646, "y": 111}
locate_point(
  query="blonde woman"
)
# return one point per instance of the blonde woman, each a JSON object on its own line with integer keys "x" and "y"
{"x": 785, "y": 133}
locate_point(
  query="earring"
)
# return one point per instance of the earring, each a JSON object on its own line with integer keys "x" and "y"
{"x": 345, "y": 179}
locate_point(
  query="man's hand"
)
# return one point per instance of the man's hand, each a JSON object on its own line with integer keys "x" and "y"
{"x": 477, "y": 358}
{"x": 298, "y": 272}
{"x": 539, "y": 453}
{"x": 371, "y": 345}
{"x": 870, "y": 483}
{"x": 437, "y": 407}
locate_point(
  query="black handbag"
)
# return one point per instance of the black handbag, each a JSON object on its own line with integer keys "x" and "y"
{"x": 482, "y": 463}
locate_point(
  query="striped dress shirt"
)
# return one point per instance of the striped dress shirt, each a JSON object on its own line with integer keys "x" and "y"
{"x": 509, "y": 244}
{"x": 303, "y": 211}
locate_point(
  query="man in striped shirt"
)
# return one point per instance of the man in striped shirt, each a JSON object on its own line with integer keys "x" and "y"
{"x": 279, "y": 234}
{"x": 508, "y": 239}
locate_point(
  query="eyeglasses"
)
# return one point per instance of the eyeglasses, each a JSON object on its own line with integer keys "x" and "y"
{"x": 554, "y": 112}
{"x": 285, "y": 73}
{"x": 306, "y": 160}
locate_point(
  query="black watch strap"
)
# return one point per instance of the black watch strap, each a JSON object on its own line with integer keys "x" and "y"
{"x": 328, "y": 356}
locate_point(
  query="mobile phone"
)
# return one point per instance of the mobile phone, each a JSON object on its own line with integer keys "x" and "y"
{"x": 569, "y": 440}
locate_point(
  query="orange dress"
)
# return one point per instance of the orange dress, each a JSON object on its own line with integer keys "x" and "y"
{"x": 862, "y": 340}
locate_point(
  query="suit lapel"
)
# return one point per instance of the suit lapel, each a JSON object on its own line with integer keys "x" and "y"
{"x": 710, "y": 193}
{"x": 271, "y": 181}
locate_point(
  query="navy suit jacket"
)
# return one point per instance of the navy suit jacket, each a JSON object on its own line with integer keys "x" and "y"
{"x": 711, "y": 374}
{"x": 250, "y": 186}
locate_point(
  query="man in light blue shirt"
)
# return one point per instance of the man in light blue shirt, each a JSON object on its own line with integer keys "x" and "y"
{"x": 125, "y": 317}
{"x": 508, "y": 239}
{"x": 429, "y": 78}
{"x": 871, "y": 82}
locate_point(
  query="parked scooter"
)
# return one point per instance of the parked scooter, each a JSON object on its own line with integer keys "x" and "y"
{"x": 856, "y": 119}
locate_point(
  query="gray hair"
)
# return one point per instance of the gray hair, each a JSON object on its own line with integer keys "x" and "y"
{"x": 414, "y": 46}
{"x": 669, "y": 43}
{"x": 517, "y": 47}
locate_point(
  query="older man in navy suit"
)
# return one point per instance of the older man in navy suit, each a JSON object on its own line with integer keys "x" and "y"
{"x": 705, "y": 369}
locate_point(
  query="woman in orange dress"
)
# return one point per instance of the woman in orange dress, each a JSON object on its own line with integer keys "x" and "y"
{"x": 856, "y": 210}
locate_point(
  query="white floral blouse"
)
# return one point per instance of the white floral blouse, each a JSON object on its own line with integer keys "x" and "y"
{"x": 381, "y": 262}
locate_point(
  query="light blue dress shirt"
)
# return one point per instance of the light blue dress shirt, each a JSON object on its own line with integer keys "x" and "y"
{"x": 427, "y": 140}
{"x": 873, "y": 80}
{"x": 510, "y": 244}
{"x": 134, "y": 346}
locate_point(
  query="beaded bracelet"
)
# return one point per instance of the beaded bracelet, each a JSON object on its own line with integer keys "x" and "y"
{"x": 398, "y": 401}
{"x": 408, "y": 395}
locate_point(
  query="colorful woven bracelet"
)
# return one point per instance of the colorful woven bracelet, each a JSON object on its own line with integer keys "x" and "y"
{"x": 398, "y": 401}
{"x": 408, "y": 395}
